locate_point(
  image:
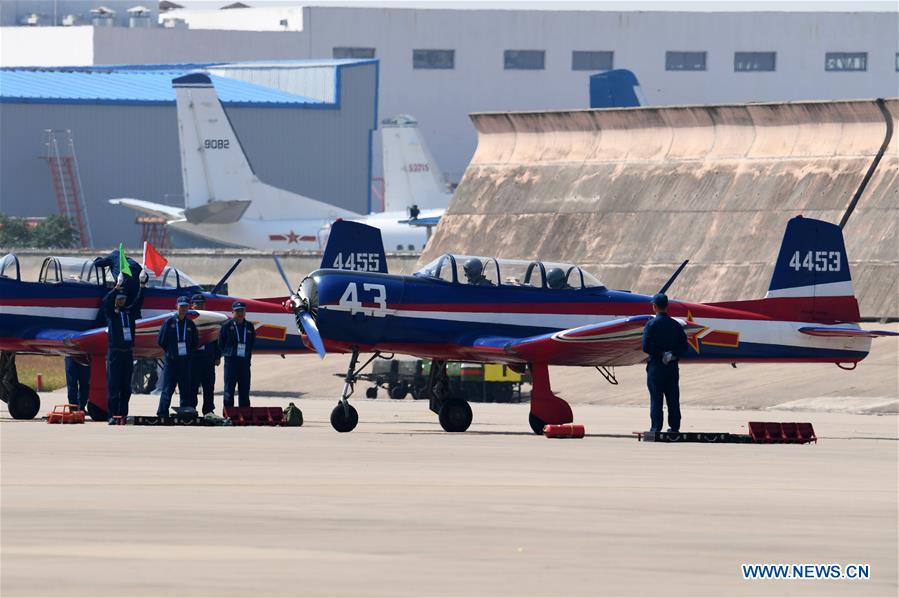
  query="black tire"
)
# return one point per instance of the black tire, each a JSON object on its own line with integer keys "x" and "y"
{"x": 420, "y": 392}
{"x": 343, "y": 421}
{"x": 455, "y": 415}
{"x": 97, "y": 414}
{"x": 371, "y": 393}
{"x": 23, "y": 403}
{"x": 398, "y": 392}
{"x": 537, "y": 424}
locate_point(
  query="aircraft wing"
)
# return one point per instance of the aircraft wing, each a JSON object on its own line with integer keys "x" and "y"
{"x": 425, "y": 218}
{"x": 616, "y": 342}
{"x": 159, "y": 210}
{"x": 846, "y": 332}
{"x": 95, "y": 340}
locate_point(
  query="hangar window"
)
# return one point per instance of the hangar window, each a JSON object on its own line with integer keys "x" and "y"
{"x": 433, "y": 59}
{"x": 897, "y": 62}
{"x": 582, "y": 60}
{"x": 846, "y": 61}
{"x": 754, "y": 61}
{"x": 685, "y": 61}
{"x": 350, "y": 52}
{"x": 524, "y": 60}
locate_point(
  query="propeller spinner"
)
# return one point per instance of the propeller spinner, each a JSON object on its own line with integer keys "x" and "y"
{"x": 304, "y": 304}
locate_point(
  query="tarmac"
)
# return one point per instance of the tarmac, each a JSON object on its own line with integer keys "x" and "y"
{"x": 401, "y": 508}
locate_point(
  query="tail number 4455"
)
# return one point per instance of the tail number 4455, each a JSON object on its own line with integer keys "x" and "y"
{"x": 816, "y": 261}
{"x": 350, "y": 299}
{"x": 361, "y": 262}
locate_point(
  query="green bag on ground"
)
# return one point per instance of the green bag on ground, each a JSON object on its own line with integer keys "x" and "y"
{"x": 292, "y": 415}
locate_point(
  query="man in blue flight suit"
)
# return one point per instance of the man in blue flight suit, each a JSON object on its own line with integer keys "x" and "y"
{"x": 120, "y": 319}
{"x": 78, "y": 377}
{"x": 236, "y": 339}
{"x": 205, "y": 359}
{"x": 179, "y": 339}
{"x": 665, "y": 342}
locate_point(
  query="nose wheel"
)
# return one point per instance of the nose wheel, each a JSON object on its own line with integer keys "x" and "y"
{"x": 344, "y": 416}
{"x": 455, "y": 415}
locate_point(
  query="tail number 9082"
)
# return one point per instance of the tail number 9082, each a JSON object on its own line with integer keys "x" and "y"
{"x": 361, "y": 262}
{"x": 350, "y": 299}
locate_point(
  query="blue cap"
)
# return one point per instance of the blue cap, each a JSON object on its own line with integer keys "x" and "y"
{"x": 182, "y": 300}
{"x": 198, "y": 298}
{"x": 660, "y": 300}
{"x": 238, "y": 305}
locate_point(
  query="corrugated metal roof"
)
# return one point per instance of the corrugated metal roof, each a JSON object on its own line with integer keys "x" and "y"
{"x": 127, "y": 86}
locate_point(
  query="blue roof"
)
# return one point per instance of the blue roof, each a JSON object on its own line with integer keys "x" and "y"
{"x": 124, "y": 85}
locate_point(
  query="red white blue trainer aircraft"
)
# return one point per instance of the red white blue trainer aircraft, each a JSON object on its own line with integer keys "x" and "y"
{"x": 58, "y": 315}
{"x": 536, "y": 314}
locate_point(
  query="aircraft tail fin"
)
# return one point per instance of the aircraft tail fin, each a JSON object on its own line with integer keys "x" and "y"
{"x": 411, "y": 176}
{"x": 811, "y": 274}
{"x": 354, "y": 246}
{"x": 220, "y": 184}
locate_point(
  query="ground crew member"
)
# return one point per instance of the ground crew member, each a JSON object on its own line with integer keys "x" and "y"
{"x": 665, "y": 342}
{"x": 179, "y": 339}
{"x": 205, "y": 359}
{"x": 236, "y": 339}
{"x": 78, "y": 377}
{"x": 128, "y": 283}
{"x": 120, "y": 356}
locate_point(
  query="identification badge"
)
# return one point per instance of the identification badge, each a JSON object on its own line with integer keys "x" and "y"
{"x": 182, "y": 348}
{"x": 241, "y": 349}
{"x": 126, "y": 334}
{"x": 201, "y": 348}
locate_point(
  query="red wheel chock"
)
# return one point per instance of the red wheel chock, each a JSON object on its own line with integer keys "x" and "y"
{"x": 563, "y": 431}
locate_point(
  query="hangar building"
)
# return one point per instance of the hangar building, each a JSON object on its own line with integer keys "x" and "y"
{"x": 306, "y": 126}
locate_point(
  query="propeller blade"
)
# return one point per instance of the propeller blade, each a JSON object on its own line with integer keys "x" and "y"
{"x": 673, "y": 277}
{"x": 283, "y": 275}
{"x": 311, "y": 329}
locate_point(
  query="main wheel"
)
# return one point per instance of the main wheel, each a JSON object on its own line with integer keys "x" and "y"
{"x": 537, "y": 424}
{"x": 371, "y": 393}
{"x": 97, "y": 414}
{"x": 398, "y": 392}
{"x": 455, "y": 415}
{"x": 23, "y": 403}
{"x": 343, "y": 421}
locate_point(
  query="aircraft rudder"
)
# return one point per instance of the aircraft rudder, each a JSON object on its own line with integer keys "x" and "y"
{"x": 354, "y": 246}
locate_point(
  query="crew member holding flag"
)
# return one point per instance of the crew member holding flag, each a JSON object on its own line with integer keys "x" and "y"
{"x": 120, "y": 326}
{"x": 127, "y": 273}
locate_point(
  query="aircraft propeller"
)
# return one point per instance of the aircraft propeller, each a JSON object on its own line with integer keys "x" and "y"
{"x": 303, "y": 304}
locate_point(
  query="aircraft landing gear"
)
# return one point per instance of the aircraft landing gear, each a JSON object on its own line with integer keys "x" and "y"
{"x": 546, "y": 408}
{"x": 22, "y": 401}
{"x": 453, "y": 413}
{"x": 344, "y": 416}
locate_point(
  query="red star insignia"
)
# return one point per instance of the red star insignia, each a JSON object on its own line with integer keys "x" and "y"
{"x": 693, "y": 337}
{"x": 292, "y": 237}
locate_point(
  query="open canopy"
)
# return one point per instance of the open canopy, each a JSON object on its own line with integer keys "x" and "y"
{"x": 489, "y": 271}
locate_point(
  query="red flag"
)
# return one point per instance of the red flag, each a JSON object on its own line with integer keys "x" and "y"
{"x": 153, "y": 259}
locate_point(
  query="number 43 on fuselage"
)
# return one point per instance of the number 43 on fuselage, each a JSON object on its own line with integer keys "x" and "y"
{"x": 533, "y": 314}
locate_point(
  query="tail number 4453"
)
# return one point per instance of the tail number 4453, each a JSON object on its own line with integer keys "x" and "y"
{"x": 350, "y": 299}
{"x": 816, "y": 261}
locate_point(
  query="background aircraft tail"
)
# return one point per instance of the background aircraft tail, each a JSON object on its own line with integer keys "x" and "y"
{"x": 811, "y": 279}
{"x": 411, "y": 176}
{"x": 354, "y": 246}
{"x": 219, "y": 182}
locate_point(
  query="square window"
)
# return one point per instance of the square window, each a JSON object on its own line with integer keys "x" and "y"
{"x": 846, "y": 61}
{"x": 897, "y": 62}
{"x": 350, "y": 52}
{"x": 591, "y": 60}
{"x": 528, "y": 60}
{"x": 433, "y": 59}
{"x": 754, "y": 61}
{"x": 685, "y": 61}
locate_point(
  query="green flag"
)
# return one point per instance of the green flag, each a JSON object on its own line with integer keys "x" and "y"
{"x": 124, "y": 268}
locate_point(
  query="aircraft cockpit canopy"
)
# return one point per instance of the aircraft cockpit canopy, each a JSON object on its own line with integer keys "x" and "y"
{"x": 489, "y": 271}
{"x": 71, "y": 269}
{"x": 9, "y": 267}
{"x": 172, "y": 278}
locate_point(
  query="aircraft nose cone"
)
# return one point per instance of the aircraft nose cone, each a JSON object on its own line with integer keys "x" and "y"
{"x": 308, "y": 293}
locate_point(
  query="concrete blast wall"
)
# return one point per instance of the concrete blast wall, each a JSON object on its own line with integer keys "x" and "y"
{"x": 630, "y": 193}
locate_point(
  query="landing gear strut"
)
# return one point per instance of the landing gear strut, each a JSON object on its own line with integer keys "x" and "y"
{"x": 22, "y": 402}
{"x": 546, "y": 407}
{"x": 453, "y": 413}
{"x": 344, "y": 416}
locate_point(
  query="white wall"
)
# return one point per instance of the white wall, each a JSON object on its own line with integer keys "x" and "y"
{"x": 46, "y": 46}
{"x": 240, "y": 19}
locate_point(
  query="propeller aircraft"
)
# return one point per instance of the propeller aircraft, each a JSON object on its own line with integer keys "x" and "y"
{"x": 536, "y": 314}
